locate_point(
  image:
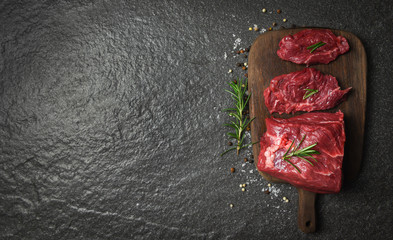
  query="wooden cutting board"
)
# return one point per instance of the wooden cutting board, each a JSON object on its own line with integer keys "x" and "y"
{"x": 350, "y": 70}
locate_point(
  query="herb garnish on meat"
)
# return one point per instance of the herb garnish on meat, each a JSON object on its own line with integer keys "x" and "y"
{"x": 301, "y": 153}
{"x": 315, "y": 46}
{"x": 309, "y": 93}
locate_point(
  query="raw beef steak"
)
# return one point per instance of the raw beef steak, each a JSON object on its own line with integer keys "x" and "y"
{"x": 298, "y": 48}
{"x": 305, "y": 90}
{"x": 324, "y": 129}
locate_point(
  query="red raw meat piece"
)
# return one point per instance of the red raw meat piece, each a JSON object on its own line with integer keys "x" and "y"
{"x": 285, "y": 93}
{"x": 325, "y": 129}
{"x": 294, "y": 47}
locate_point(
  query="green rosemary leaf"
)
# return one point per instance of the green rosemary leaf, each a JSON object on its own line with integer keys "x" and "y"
{"x": 300, "y": 143}
{"x": 306, "y": 160}
{"x": 233, "y": 148}
{"x": 230, "y": 125}
{"x": 307, "y": 148}
{"x": 309, "y": 93}
{"x": 310, "y": 152}
{"x": 245, "y": 126}
{"x": 228, "y": 109}
{"x": 232, "y": 135}
{"x": 238, "y": 94}
{"x": 301, "y": 153}
{"x": 288, "y": 149}
{"x": 231, "y": 93}
{"x": 312, "y": 46}
{"x": 293, "y": 165}
{"x": 308, "y": 155}
{"x": 244, "y": 146}
{"x": 315, "y": 46}
{"x": 234, "y": 123}
{"x": 248, "y": 98}
{"x": 235, "y": 115}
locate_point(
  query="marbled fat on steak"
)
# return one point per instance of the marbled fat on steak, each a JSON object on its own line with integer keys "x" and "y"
{"x": 286, "y": 93}
{"x": 294, "y": 47}
{"x": 325, "y": 129}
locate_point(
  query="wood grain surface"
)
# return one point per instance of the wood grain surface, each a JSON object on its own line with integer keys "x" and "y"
{"x": 350, "y": 70}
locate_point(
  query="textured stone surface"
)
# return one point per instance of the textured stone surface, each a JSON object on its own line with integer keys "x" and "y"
{"x": 110, "y": 122}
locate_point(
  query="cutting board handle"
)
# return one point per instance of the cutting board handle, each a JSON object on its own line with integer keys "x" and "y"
{"x": 306, "y": 211}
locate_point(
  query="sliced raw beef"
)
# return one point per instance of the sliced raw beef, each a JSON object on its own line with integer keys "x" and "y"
{"x": 297, "y": 48}
{"x": 324, "y": 129}
{"x": 297, "y": 91}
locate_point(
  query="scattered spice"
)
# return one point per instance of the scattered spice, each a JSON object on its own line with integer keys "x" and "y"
{"x": 242, "y": 51}
{"x": 246, "y": 75}
{"x": 279, "y": 11}
{"x": 248, "y": 129}
{"x": 245, "y": 56}
{"x": 232, "y": 170}
{"x": 244, "y": 68}
{"x": 238, "y": 52}
{"x": 264, "y": 10}
{"x": 284, "y": 20}
{"x": 245, "y": 159}
{"x": 235, "y": 81}
{"x": 267, "y": 192}
{"x": 256, "y": 29}
{"x": 247, "y": 49}
{"x": 250, "y": 28}
{"x": 238, "y": 64}
{"x": 230, "y": 143}
{"x": 270, "y": 29}
{"x": 274, "y": 24}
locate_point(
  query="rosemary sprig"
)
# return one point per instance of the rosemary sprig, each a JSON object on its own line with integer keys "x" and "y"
{"x": 301, "y": 153}
{"x": 309, "y": 93}
{"x": 238, "y": 94}
{"x": 315, "y": 46}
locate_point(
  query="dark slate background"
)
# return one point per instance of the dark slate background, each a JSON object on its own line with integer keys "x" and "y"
{"x": 110, "y": 122}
